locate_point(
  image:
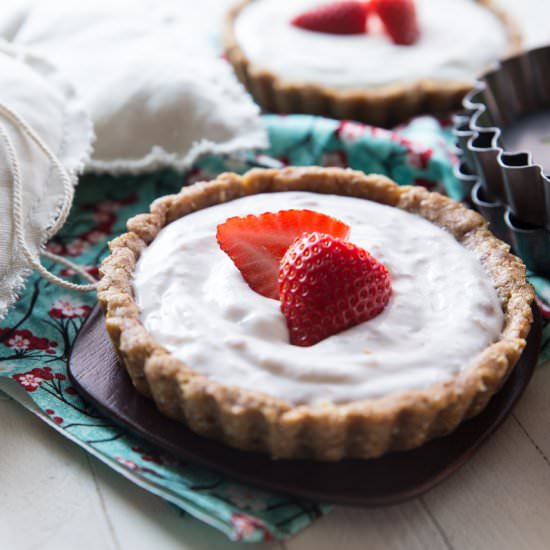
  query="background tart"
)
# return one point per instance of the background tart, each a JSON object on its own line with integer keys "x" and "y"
{"x": 253, "y": 420}
{"x": 365, "y": 77}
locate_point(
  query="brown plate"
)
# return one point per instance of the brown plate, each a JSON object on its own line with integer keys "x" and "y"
{"x": 97, "y": 374}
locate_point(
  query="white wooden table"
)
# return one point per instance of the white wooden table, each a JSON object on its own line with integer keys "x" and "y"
{"x": 55, "y": 497}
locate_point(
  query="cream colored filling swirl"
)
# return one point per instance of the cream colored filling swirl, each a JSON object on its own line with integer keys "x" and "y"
{"x": 443, "y": 312}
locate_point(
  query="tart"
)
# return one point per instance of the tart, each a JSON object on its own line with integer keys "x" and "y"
{"x": 365, "y": 77}
{"x": 214, "y": 354}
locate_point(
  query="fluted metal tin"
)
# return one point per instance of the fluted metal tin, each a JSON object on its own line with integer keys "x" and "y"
{"x": 466, "y": 176}
{"x": 493, "y": 211}
{"x": 530, "y": 243}
{"x": 504, "y": 133}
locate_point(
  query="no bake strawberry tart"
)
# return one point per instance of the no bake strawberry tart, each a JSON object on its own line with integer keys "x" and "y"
{"x": 378, "y": 61}
{"x": 315, "y": 313}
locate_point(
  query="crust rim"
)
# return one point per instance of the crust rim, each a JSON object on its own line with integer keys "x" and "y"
{"x": 254, "y": 421}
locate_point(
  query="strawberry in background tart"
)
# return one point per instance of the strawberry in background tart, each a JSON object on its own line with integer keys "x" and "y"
{"x": 315, "y": 313}
{"x": 377, "y": 61}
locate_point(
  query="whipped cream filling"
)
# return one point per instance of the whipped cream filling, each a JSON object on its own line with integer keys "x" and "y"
{"x": 444, "y": 309}
{"x": 459, "y": 38}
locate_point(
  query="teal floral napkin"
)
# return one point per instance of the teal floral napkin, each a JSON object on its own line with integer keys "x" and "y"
{"x": 37, "y": 335}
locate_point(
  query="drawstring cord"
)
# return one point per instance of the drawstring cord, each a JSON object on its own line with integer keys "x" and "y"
{"x": 18, "y": 211}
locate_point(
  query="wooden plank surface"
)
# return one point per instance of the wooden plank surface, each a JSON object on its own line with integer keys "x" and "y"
{"x": 52, "y": 495}
{"x": 500, "y": 499}
{"x": 48, "y": 499}
{"x": 404, "y": 527}
{"x": 160, "y": 525}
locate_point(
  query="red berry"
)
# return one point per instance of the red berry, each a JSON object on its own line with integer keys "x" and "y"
{"x": 335, "y": 18}
{"x": 256, "y": 244}
{"x": 399, "y": 19}
{"x": 544, "y": 308}
{"x": 328, "y": 285}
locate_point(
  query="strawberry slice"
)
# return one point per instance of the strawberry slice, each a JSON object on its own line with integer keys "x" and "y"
{"x": 335, "y": 18}
{"x": 327, "y": 285}
{"x": 256, "y": 244}
{"x": 399, "y": 19}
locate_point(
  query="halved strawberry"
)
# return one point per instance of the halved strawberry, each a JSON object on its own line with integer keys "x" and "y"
{"x": 256, "y": 244}
{"x": 335, "y": 18}
{"x": 327, "y": 285}
{"x": 399, "y": 19}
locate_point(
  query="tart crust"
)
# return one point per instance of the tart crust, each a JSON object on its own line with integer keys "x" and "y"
{"x": 255, "y": 421}
{"x": 381, "y": 106}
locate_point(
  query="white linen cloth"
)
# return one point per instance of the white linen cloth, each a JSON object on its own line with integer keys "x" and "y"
{"x": 149, "y": 73}
{"x": 45, "y": 139}
{"x": 150, "y": 77}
